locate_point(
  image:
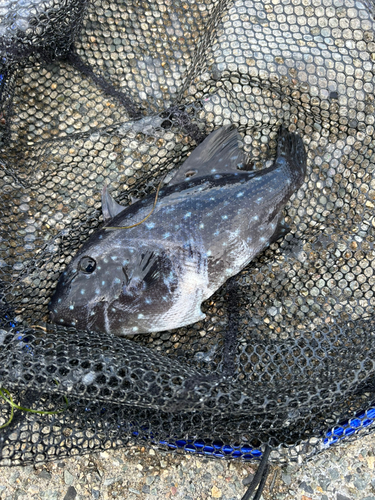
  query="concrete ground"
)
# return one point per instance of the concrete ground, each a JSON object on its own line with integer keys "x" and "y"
{"x": 137, "y": 473}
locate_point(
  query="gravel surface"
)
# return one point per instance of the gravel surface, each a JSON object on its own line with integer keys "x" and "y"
{"x": 137, "y": 473}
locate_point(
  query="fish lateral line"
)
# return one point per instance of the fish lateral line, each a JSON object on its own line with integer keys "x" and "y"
{"x": 111, "y": 228}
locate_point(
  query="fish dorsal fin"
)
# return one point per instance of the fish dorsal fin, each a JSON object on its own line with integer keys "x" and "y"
{"x": 217, "y": 154}
{"x": 110, "y": 208}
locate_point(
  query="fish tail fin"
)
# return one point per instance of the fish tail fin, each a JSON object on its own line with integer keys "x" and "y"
{"x": 290, "y": 147}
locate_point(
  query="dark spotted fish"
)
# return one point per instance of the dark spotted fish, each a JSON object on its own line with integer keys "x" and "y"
{"x": 208, "y": 224}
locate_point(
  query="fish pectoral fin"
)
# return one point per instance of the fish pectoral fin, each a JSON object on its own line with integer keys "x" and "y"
{"x": 110, "y": 208}
{"x": 281, "y": 230}
{"x": 217, "y": 154}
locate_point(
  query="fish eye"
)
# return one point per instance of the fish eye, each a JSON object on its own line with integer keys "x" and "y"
{"x": 87, "y": 265}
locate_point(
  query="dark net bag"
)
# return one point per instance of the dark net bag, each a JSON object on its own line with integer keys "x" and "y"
{"x": 284, "y": 360}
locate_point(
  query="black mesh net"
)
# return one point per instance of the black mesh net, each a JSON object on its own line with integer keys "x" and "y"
{"x": 120, "y": 93}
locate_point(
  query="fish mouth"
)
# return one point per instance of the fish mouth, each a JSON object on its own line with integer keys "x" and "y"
{"x": 57, "y": 305}
{"x": 53, "y": 307}
{"x": 57, "y": 317}
{"x": 66, "y": 316}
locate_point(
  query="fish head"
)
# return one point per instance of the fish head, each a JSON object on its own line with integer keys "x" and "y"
{"x": 112, "y": 288}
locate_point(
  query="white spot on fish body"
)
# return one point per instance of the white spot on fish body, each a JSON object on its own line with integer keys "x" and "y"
{"x": 103, "y": 283}
{"x": 224, "y": 217}
{"x": 135, "y": 328}
{"x": 140, "y": 316}
{"x": 187, "y": 215}
{"x": 166, "y": 235}
{"x": 97, "y": 291}
{"x": 105, "y": 260}
{"x": 100, "y": 236}
{"x": 150, "y": 225}
{"x": 260, "y": 199}
{"x": 59, "y": 300}
{"x": 201, "y": 225}
{"x": 82, "y": 291}
{"x": 114, "y": 257}
{"x": 117, "y": 280}
{"x": 240, "y": 194}
{"x": 71, "y": 307}
{"x": 209, "y": 253}
{"x": 148, "y": 301}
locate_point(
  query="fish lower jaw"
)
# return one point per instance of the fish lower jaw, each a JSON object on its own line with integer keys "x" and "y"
{"x": 163, "y": 326}
{"x": 177, "y": 322}
{"x": 184, "y": 311}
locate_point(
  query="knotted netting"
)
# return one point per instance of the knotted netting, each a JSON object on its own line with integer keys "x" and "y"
{"x": 120, "y": 93}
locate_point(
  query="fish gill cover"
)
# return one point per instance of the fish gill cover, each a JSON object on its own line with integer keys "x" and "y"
{"x": 285, "y": 354}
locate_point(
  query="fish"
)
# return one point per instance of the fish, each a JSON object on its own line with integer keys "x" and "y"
{"x": 151, "y": 265}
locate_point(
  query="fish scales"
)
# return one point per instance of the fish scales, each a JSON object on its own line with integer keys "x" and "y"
{"x": 207, "y": 225}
